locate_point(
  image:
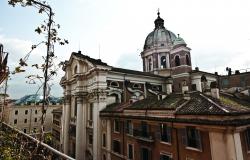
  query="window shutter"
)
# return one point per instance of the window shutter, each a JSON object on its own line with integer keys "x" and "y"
{"x": 158, "y": 132}
{"x": 169, "y": 134}
{"x": 199, "y": 143}
{"x": 183, "y": 135}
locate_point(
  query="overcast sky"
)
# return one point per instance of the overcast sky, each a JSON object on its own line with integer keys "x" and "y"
{"x": 218, "y": 32}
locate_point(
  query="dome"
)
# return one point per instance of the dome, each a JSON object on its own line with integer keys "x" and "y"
{"x": 179, "y": 41}
{"x": 160, "y": 36}
{"x": 36, "y": 98}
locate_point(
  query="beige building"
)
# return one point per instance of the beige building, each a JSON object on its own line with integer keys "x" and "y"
{"x": 102, "y": 103}
{"x": 25, "y": 114}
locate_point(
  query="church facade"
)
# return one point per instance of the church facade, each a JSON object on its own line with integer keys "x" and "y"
{"x": 167, "y": 111}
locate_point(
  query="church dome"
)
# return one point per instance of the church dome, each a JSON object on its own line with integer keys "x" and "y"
{"x": 179, "y": 41}
{"x": 160, "y": 37}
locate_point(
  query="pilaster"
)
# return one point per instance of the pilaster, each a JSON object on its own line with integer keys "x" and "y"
{"x": 81, "y": 126}
{"x": 66, "y": 123}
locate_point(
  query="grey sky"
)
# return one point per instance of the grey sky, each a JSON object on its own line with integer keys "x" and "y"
{"x": 216, "y": 31}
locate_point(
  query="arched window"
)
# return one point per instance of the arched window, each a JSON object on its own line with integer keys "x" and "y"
{"x": 75, "y": 69}
{"x": 187, "y": 60}
{"x": 163, "y": 62}
{"x": 177, "y": 60}
{"x": 149, "y": 65}
{"x": 114, "y": 84}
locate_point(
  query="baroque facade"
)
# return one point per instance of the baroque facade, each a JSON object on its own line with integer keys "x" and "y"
{"x": 167, "y": 111}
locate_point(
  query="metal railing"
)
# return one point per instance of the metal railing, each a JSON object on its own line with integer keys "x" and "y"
{"x": 23, "y": 143}
{"x": 144, "y": 135}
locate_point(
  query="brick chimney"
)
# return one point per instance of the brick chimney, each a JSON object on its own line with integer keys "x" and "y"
{"x": 215, "y": 93}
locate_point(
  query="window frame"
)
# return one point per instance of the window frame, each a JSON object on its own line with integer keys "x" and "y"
{"x": 196, "y": 138}
{"x": 177, "y": 61}
{"x": 149, "y": 152}
{"x": 26, "y": 112}
{"x": 166, "y": 154}
{"x": 15, "y": 121}
{"x": 104, "y": 140}
{"x": 90, "y": 135}
{"x": 129, "y": 131}
{"x": 133, "y": 151}
{"x": 167, "y": 133}
{"x": 114, "y": 148}
{"x": 117, "y": 126}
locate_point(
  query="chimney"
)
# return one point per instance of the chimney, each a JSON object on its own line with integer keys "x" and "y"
{"x": 186, "y": 96}
{"x": 214, "y": 90}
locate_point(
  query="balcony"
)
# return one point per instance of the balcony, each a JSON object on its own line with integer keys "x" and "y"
{"x": 18, "y": 145}
{"x": 143, "y": 135}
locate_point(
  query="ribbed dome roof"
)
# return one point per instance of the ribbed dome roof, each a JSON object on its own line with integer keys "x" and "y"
{"x": 160, "y": 36}
{"x": 179, "y": 41}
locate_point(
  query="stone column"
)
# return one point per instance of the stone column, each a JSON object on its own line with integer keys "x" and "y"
{"x": 81, "y": 128}
{"x": 66, "y": 124}
{"x": 98, "y": 106}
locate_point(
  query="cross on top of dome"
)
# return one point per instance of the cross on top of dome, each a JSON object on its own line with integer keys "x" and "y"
{"x": 159, "y": 22}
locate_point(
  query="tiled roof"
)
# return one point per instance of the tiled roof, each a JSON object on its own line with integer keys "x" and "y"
{"x": 170, "y": 102}
{"x": 197, "y": 104}
{"x": 92, "y": 60}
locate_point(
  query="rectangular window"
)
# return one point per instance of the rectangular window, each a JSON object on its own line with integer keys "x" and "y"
{"x": 116, "y": 125}
{"x": 90, "y": 139}
{"x": 16, "y": 112}
{"x": 15, "y": 121}
{"x": 25, "y": 120}
{"x": 34, "y": 130}
{"x": 129, "y": 127}
{"x": 24, "y": 130}
{"x": 144, "y": 129}
{"x": 35, "y": 119}
{"x": 91, "y": 112}
{"x": 116, "y": 146}
{"x": 165, "y": 157}
{"x": 247, "y": 133}
{"x": 104, "y": 140}
{"x": 35, "y": 111}
{"x": 165, "y": 133}
{"x": 130, "y": 152}
{"x": 145, "y": 154}
{"x": 193, "y": 138}
{"x": 75, "y": 109}
{"x": 26, "y": 111}
{"x": 90, "y": 115}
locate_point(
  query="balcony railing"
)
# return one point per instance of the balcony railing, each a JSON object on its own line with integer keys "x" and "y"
{"x": 144, "y": 135}
{"x": 19, "y": 145}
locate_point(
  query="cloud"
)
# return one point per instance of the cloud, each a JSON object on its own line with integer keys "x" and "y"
{"x": 17, "y": 85}
{"x": 129, "y": 61}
